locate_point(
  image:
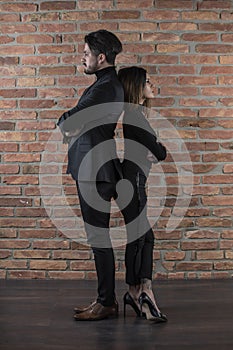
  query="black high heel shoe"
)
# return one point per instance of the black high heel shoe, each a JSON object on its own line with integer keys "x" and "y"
{"x": 128, "y": 300}
{"x": 151, "y": 312}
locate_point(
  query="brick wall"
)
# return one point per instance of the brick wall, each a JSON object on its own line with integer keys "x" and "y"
{"x": 187, "y": 48}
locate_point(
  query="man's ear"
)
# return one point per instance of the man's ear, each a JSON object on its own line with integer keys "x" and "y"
{"x": 102, "y": 58}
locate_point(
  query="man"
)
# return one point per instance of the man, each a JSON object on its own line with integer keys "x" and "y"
{"x": 87, "y": 126}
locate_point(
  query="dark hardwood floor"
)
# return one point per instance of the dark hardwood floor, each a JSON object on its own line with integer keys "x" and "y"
{"x": 38, "y": 315}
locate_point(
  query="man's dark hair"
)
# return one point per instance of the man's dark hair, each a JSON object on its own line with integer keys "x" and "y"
{"x": 103, "y": 41}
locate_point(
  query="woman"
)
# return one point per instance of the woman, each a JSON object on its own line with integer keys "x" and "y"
{"x": 141, "y": 149}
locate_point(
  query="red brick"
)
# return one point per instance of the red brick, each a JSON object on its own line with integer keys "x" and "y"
{"x": 220, "y": 200}
{"x": 215, "y": 134}
{"x": 47, "y": 265}
{"x": 169, "y": 70}
{"x": 199, "y": 245}
{"x": 31, "y": 254}
{"x": 26, "y": 274}
{"x": 223, "y": 265}
{"x": 18, "y": 7}
{"x": 214, "y": 48}
{"x": 93, "y": 26}
{"x": 160, "y": 15}
{"x": 214, "y": 27}
{"x": 82, "y": 265}
{"x": 138, "y": 48}
{"x": 38, "y": 61}
{"x": 194, "y": 266}
{"x": 9, "y": 169}
{"x": 15, "y": 244}
{"x": 5, "y": 39}
{"x": 41, "y": 17}
{"x": 17, "y": 28}
{"x": 137, "y": 26}
{"x": 178, "y": 26}
{"x": 7, "y": 212}
{"x": 200, "y": 16}
{"x": 218, "y": 157}
{"x": 21, "y": 180}
{"x": 16, "y": 136}
{"x": 174, "y": 255}
{"x": 170, "y": 4}
{"x": 213, "y": 222}
{"x": 215, "y": 112}
{"x": 9, "y": 17}
{"x": 196, "y": 102}
{"x": 71, "y": 255}
{"x": 17, "y": 93}
{"x": 17, "y": 71}
{"x": 57, "y": 5}
{"x": 217, "y": 179}
{"x": 5, "y": 254}
{"x": 57, "y": 70}
{"x": 11, "y": 264}
{"x": 34, "y": 39}
{"x": 172, "y": 48}
{"x": 35, "y": 104}
{"x": 57, "y": 28}
{"x": 229, "y": 255}
{"x": 159, "y": 59}
{"x": 227, "y": 190}
{"x": 186, "y": 91}
{"x": 7, "y": 104}
{"x": 50, "y": 244}
{"x": 76, "y": 275}
{"x": 34, "y": 157}
{"x": 7, "y": 125}
{"x": 34, "y": 125}
{"x": 223, "y": 212}
{"x": 31, "y": 212}
{"x": 55, "y": 92}
{"x": 8, "y": 233}
{"x": 17, "y": 115}
{"x": 228, "y": 168}
{"x": 198, "y": 59}
{"x": 214, "y": 4}
{"x": 119, "y": 15}
{"x": 202, "y": 234}
{"x": 197, "y": 80}
{"x": 226, "y": 15}
{"x": 55, "y": 49}
{"x": 226, "y": 244}
{"x": 169, "y": 266}
{"x": 37, "y": 233}
{"x": 12, "y": 190}
{"x": 33, "y": 82}
{"x": 226, "y": 101}
{"x": 121, "y": 4}
{"x": 9, "y": 61}
{"x": 7, "y": 83}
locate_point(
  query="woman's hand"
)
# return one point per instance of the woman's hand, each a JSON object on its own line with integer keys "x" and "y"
{"x": 151, "y": 157}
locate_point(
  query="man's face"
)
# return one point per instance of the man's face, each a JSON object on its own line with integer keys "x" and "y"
{"x": 89, "y": 60}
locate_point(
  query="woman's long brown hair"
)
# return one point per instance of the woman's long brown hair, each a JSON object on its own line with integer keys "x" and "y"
{"x": 133, "y": 80}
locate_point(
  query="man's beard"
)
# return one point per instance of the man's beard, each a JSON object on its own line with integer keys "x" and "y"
{"x": 90, "y": 70}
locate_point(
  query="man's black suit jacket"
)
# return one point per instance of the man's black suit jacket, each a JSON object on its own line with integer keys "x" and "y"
{"x": 96, "y": 115}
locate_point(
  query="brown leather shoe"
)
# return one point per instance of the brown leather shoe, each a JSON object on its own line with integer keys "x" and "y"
{"x": 97, "y": 312}
{"x": 80, "y": 309}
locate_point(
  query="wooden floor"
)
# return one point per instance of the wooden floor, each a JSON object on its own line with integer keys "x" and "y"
{"x": 38, "y": 315}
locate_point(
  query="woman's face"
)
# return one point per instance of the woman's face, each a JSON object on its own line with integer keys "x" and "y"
{"x": 148, "y": 89}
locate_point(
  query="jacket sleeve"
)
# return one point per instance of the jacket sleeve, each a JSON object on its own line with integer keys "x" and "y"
{"x": 142, "y": 132}
{"x": 83, "y": 113}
